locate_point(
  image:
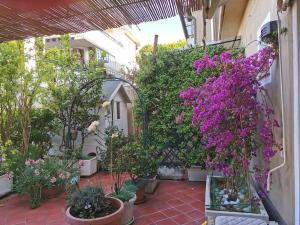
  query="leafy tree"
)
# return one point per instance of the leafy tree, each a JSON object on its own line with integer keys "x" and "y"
{"x": 70, "y": 76}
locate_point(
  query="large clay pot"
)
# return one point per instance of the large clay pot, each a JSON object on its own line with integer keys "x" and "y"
{"x": 112, "y": 219}
{"x": 140, "y": 195}
{"x": 48, "y": 193}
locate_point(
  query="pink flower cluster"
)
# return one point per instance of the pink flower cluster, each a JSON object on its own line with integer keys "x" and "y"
{"x": 227, "y": 110}
{"x": 30, "y": 162}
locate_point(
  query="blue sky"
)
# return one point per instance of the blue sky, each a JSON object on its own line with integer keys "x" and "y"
{"x": 168, "y": 30}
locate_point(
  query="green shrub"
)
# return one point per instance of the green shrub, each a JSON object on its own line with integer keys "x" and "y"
{"x": 123, "y": 195}
{"x": 160, "y": 79}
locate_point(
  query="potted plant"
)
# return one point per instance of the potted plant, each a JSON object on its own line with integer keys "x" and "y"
{"x": 54, "y": 176}
{"x": 114, "y": 160}
{"x": 30, "y": 181}
{"x": 194, "y": 162}
{"x": 89, "y": 205}
{"x": 137, "y": 158}
{"x": 153, "y": 164}
{"x": 40, "y": 179}
{"x": 228, "y": 112}
{"x": 127, "y": 195}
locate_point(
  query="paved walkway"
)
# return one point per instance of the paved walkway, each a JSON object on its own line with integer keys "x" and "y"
{"x": 173, "y": 203}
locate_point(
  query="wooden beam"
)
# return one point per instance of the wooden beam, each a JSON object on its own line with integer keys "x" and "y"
{"x": 212, "y": 8}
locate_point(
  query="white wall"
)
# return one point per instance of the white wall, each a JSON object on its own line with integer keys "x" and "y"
{"x": 121, "y": 123}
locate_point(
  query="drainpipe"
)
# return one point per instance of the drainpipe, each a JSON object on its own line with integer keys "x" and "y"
{"x": 282, "y": 109}
{"x": 296, "y": 80}
{"x": 184, "y": 26}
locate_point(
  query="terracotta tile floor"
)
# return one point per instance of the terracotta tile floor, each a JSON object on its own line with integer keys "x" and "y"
{"x": 174, "y": 202}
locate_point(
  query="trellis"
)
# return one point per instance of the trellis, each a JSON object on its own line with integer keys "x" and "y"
{"x": 71, "y": 124}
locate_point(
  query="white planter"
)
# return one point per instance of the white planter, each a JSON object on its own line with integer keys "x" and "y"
{"x": 127, "y": 217}
{"x": 88, "y": 167}
{"x": 213, "y": 214}
{"x": 6, "y": 185}
{"x": 172, "y": 173}
{"x": 195, "y": 173}
{"x": 151, "y": 185}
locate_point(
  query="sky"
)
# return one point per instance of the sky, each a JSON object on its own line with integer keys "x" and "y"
{"x": 168, "y": 30}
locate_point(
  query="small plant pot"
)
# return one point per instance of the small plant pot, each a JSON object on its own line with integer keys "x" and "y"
{"x": 195, "y": 173}
{"x": 128, "y": 217}
{"x": 48, "y": 193}
{"x": 112, "y": 219}
{"x": 89, "y": 167}
{"x": 151, "y": 185}
{"x": 140, "y": 195}
{"x": 6, "y": 184}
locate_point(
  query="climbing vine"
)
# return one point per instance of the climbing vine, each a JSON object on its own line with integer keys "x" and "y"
{"x": 161, "y": 78}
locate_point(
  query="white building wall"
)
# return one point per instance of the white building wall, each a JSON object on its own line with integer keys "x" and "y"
{"x": 121, "y": 123}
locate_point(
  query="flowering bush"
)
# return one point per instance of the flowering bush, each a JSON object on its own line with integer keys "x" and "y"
{"x": 37, "y": 174}
{"x": 160, "y": 79}
{"x": 227, "y": 110}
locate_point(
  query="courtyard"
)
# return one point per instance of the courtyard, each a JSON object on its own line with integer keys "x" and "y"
{"x": 174, "y": 202}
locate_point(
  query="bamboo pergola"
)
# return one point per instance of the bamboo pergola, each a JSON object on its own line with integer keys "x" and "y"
{"x": 20, "y": 19}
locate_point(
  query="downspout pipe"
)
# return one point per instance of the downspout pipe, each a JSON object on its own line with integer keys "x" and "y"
{"x": 184, "y": 26}
{"x": 282, "y": 109}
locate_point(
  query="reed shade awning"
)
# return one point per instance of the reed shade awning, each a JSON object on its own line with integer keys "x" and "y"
{"x": 20, "y": 19}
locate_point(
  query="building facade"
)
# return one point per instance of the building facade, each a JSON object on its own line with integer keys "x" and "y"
{"x": 242, "y": 21}
{"x": 116, "y": 47}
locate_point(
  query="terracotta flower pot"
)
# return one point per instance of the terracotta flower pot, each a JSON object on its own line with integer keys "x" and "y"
{"x": 140, "y": 195}
{"x": 48, "y": 193}
{"x": 112, "y": 219}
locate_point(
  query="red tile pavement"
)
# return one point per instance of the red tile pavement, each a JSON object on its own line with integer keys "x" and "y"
{"x": 173, "y": 203}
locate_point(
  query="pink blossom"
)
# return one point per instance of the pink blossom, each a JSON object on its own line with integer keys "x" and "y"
{"x": 62, "y": 176}
{"x": 81, "y": 162}
{"x": 227, "y": 111}
{"x": 37, "y": 172}
{"x": 41, "y": 161}
{"x": 29, "y": 162}
{"x": 53, "y": 180}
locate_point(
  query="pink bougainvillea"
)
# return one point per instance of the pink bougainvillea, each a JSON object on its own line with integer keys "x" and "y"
{"x": 227, "y": 110}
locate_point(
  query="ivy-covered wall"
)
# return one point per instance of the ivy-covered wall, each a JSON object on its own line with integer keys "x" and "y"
{"x": 160, "y": 79}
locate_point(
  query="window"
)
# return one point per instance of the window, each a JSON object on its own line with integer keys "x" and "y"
{"x": 118, "y": 110}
